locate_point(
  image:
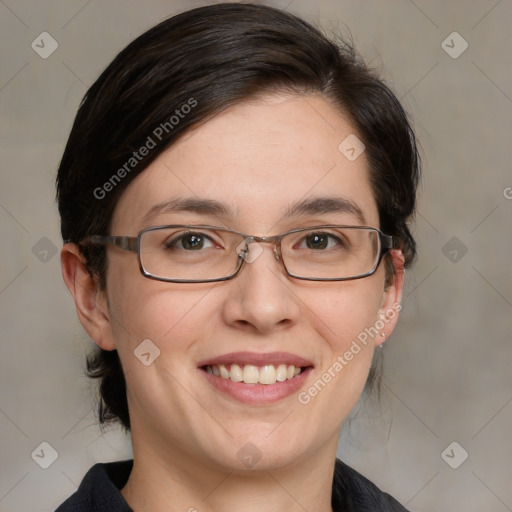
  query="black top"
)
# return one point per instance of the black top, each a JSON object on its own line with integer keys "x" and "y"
{"x": 100, "y": 491}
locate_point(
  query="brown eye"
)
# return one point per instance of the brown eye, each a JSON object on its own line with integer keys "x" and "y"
{"x": 190, "y": 242}
{"x": 319, "y": 241}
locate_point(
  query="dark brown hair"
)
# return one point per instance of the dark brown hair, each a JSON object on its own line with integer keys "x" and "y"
{"x": 209, "y": 59}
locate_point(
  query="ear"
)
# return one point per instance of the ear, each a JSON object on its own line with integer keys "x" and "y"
{"x": 90, "y": 301}
{"x": 391, "y": 303}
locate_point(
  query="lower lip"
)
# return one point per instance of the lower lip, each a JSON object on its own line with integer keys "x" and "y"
{"x": 258, "y": 393}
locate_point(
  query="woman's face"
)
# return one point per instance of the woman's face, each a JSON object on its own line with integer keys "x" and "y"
{"x": 257, "y": 159}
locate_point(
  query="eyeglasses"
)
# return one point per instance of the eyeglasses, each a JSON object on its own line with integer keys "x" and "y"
{"x": 202, "y": 254}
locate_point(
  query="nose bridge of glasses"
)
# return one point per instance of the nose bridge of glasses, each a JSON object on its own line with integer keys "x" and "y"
{"x": 244, "y": 248}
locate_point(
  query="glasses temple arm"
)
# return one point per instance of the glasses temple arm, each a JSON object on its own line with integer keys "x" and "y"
{"x": 386, "y": 242}
{"x": 127, "y": 243}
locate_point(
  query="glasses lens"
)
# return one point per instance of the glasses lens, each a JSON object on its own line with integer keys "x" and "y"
{"x": 331, "y": 253}
{"x": 204, "y": 254}
{"x": 189, "y": 254}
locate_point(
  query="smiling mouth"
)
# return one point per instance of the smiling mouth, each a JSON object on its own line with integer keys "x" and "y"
{"x": 250, "y": 374}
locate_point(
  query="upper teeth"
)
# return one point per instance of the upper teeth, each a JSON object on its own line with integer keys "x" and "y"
{"x": 268, "y": 374}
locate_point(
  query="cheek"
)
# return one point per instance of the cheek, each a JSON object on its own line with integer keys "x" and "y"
{"x": 142, "y": 308}
{"x": 156, "y": 329}
{"x": 346, "y": 309}
{"x": 343, "y": 317}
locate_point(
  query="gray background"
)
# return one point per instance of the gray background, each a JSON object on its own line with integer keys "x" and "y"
{"x": 448, "y": 365}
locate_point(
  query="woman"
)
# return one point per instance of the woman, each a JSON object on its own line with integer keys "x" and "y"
{"x": 234, "y": 198}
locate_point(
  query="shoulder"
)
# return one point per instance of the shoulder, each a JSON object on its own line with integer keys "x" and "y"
{"x": 352, "y": 492}
{"x": 100, "y": 490}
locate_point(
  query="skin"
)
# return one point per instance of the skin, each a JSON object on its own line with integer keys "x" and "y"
{"x": 257, "y": 157}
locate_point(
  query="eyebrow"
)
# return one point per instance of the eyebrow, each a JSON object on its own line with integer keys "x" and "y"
{"x": 191, "y": 204}
{"x": 320, "y": 205}
{"x": 204, "y": 206}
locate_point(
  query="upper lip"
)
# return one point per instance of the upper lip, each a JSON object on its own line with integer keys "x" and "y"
{"x": 257, "y": 359}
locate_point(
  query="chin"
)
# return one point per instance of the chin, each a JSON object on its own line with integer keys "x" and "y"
{"x": 252, "y": 454}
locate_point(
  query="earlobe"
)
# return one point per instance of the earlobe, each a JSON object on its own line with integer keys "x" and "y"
{"x": 90, "y": 301}
{"x": 392, "y": 297}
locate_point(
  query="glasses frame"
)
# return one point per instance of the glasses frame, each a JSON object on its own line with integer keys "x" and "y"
{"x": 133, "y": 244}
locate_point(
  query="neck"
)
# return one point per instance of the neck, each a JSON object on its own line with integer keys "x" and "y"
{"x": 165, "y": 479}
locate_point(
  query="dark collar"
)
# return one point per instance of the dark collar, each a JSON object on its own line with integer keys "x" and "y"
{"x": 100, "y": 491}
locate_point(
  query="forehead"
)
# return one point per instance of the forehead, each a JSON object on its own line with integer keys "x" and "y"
{"x": 258, "y": 158}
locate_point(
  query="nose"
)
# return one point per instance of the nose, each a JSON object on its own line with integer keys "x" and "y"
{"x": 260, "y": 297}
